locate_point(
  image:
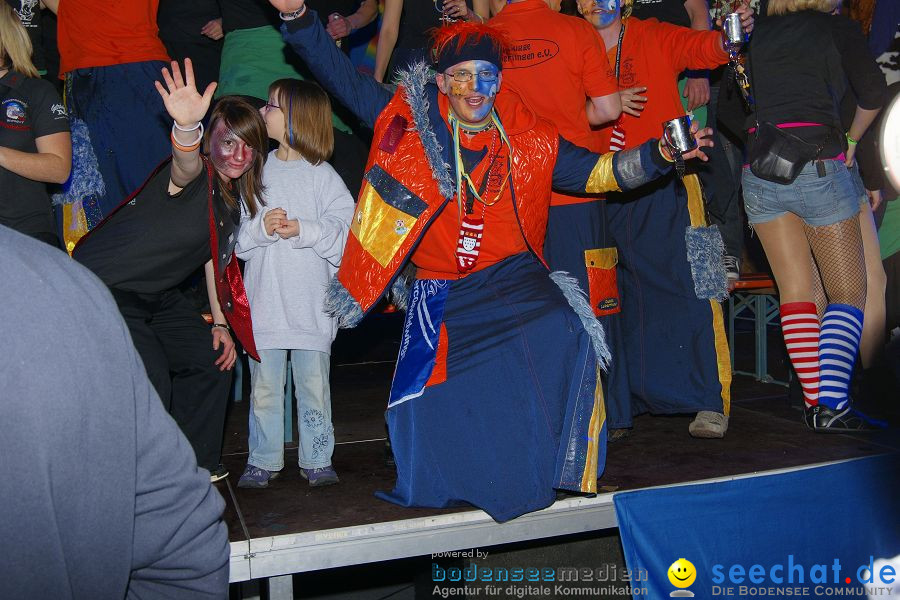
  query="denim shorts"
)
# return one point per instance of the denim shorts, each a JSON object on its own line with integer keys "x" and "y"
{"x": 817, "y": 200}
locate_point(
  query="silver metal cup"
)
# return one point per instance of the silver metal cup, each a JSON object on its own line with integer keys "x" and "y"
{"x": 677, "y": 134}
{"x": 734, "y": 31}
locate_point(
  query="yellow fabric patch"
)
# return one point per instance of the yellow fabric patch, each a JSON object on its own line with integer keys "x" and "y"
{"x": 74, "y": 225}
{"x": 601, "y": 258}
{"x": 602, "y": 178}
{"x": 723, "y": 360}
{"x": 598, "y": 420}
{"x": 379, "y": 227}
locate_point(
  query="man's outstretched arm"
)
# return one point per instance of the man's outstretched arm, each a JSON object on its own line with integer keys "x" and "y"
{"x": 581, "y": 171}
{"x": 361, "y": 94}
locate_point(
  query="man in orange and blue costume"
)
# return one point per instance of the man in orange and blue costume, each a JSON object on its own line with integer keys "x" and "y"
{"x": 496, "y": 399}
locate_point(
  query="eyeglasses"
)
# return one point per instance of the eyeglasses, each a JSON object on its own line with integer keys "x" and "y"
{"x": 466, "y": 76}
{"x": 270, "y": 105}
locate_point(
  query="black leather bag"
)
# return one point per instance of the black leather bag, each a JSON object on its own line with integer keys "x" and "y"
{"x": 779, "y": 156}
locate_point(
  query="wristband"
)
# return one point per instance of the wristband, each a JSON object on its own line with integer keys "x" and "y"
{"x": 294, "y": 15}
{"x": 199, "y": 125}
{"x": 187, "y": 147}
{"x": 850, "y": 140}
{"x": 222, "y": 325}
{"x": 663, "y": 154}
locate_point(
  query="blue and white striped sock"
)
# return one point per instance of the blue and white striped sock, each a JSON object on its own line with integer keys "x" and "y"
{"x": 838, "y": 346}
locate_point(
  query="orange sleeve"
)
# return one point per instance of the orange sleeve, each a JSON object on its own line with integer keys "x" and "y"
{"x": 599, "y": 78}
{"x": 687, "y": 48}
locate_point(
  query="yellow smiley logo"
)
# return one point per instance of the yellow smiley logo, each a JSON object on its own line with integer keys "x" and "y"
{"x": 682, "y": 573}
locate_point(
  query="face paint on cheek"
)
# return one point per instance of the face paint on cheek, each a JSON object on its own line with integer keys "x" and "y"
{"x": 610, "y": 10}
{"x": 486, "y": 88}
{"x": 230, "y": 154}
{"x": 459, "y": 89}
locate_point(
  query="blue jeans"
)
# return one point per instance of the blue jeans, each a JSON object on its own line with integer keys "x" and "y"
{"x": 817, "y": 200}
{"x": 310, "y": 371}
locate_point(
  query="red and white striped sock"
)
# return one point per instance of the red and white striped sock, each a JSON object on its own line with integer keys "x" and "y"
{"x": 800, "y": 327}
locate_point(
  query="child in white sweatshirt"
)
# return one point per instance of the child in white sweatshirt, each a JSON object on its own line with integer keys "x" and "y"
{"x": 293, "y": 248}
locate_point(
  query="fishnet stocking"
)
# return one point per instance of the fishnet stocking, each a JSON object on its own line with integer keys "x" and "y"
{"x": 838, "y": 253}
{"x": 819, "y": 296}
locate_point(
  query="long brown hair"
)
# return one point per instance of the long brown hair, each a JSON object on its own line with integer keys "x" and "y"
{"x": 307, "y": 118}
{"x": 246, "y": 122}
{"x": 15, "y": 46}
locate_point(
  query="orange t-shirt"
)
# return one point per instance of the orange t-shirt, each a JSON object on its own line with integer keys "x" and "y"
{"x": 501, "y": 237}
{"x": 653, "y": 54}
{"x": 556, "y": 63}
{"x": 99, "y": 33}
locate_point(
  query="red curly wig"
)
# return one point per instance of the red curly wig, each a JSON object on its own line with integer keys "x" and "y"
{"x": 465, "y": 40}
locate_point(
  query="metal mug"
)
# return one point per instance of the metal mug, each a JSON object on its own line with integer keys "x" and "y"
{"x": 734, "y": 31}
{"x": 677, "y": 134}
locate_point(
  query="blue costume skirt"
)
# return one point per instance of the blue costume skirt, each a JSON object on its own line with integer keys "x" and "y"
{"x": 495, "y": 400}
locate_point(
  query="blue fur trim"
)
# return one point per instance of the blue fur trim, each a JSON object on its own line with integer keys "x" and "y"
{"x": 413, "y": 81}
{"x": 401, "y": 287}
{"x": 341, "y": 305}
{"x": 578, "y": 300}
{"x": 704, "y": 253}
{"x": 85, "y": 179}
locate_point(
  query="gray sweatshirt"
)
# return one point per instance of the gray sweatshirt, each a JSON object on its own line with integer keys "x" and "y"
{"x": 286, "y": 279}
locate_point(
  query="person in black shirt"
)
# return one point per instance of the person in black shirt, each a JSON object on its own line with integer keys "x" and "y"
{"x": 185, "y": 216}
{"x": 35, "y": 145}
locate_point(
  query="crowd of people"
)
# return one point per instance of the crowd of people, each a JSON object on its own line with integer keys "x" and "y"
{"x": 502, "y": 175}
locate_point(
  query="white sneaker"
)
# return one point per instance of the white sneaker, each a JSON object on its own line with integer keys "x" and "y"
{"x": 708, "y": 424}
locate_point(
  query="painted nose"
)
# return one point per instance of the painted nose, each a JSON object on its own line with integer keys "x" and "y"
{"x": 244, "y": 154}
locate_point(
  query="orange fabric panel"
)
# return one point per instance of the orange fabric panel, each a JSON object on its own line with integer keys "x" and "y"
{"x": 439, "y": 372}
{"x": 603, "y": 287}
{"x": 99, "y": 33}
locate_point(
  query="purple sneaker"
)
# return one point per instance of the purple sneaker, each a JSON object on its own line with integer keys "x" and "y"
{"x": 320, "y": 476}
{"x": 254, "y": 477}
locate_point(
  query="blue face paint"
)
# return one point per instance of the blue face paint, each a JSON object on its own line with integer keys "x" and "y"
{"x": 609, "y": 11}
{"x": 486, "y": 78}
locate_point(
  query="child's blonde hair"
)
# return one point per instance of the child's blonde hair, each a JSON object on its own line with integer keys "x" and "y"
{"x": 307, "y": 118}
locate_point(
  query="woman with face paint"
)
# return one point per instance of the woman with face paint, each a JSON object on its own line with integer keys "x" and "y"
{"x": 186, "y": 216}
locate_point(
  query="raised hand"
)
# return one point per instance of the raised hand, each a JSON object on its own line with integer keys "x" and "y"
{"x": 183, "y": 102}
{"x": 287, "y": 6}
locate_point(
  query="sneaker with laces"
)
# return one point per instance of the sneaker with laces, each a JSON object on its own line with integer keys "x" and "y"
{"x": 823, "y": 419}
{"x": 732, "y": 265}
{"x": 218, "y": 473}
{"x": 319, "y": 476}
{"x": 255, "y": 477}
{"x": 708, "y": 424}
